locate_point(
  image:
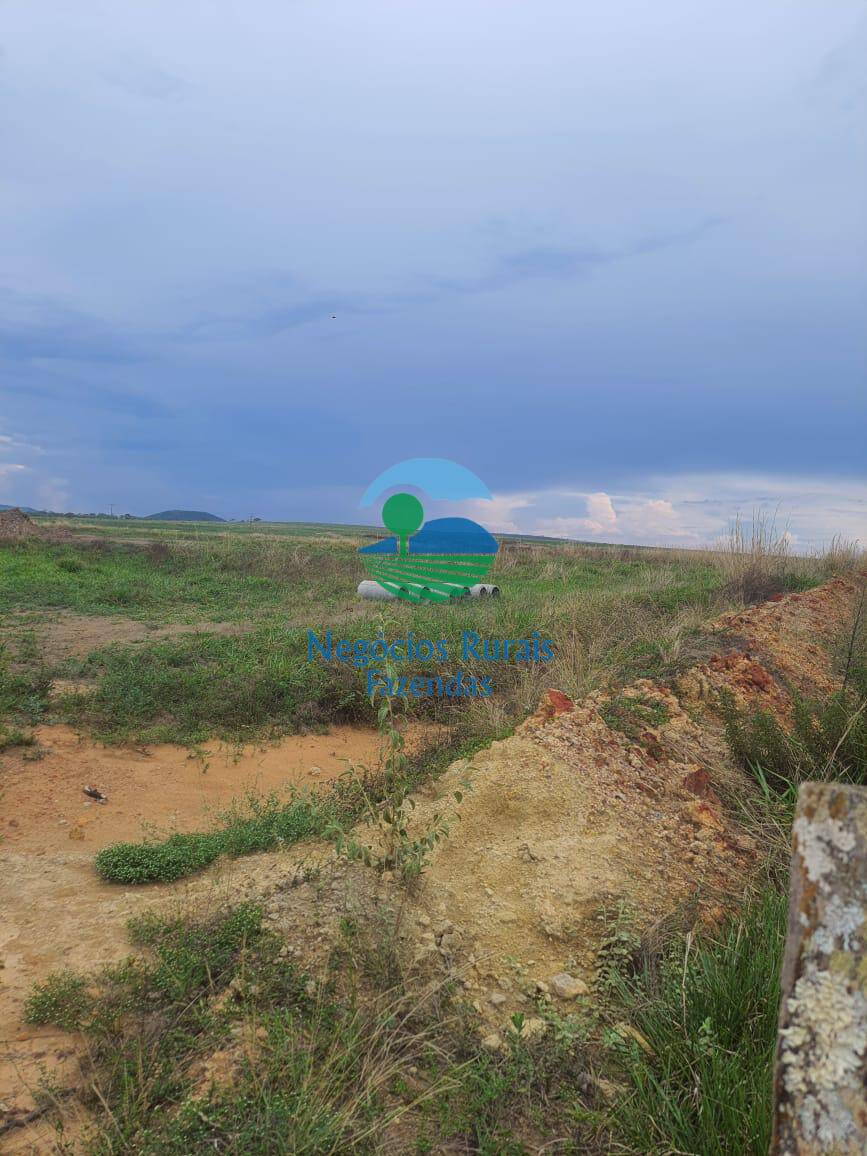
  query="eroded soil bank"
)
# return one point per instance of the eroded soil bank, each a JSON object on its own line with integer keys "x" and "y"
{"x": 622, "y": 801}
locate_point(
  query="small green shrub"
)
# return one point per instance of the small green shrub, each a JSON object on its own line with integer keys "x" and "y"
{"x": 62, "y": 999}
{"x": 387, "y": 808}
{"x": 70, "y": 564}
{"x": 826, "y": 740}
{"x": 619, "y": 949}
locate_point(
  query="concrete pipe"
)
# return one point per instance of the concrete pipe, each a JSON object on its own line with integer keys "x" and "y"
{"x": 374, "y": 592}
{"x": 484, "y": 590}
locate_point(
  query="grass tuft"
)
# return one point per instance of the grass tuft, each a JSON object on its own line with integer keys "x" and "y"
{"x": 260, "y": 825}
{"x": 708, "y": 1017}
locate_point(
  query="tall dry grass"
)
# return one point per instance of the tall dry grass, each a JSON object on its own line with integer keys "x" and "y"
{"x": 842, "y": 555}
{"x": 295, "y": 561}
{"x": 757, "y": 559}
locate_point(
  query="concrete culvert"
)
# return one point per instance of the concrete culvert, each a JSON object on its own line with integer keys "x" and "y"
{"x": 373, "y": 592}
{"x": 484, "y": 590}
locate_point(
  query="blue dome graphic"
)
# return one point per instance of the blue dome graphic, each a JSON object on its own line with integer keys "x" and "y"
{"x": 442, "y": 536}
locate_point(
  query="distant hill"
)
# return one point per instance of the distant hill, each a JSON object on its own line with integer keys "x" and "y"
{"x": 183, "y": 516}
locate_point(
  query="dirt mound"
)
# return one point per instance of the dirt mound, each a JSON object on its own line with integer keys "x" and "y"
{"x": 613, "y": 802}
{"x": 15, "y": 526}
{"x": 567, "y": 821}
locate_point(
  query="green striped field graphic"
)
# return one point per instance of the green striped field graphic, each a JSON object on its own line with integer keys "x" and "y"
{"x": 428, "y": 577}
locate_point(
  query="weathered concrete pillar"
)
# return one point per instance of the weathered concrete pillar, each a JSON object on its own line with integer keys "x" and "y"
{"x": 820, "y": 1081}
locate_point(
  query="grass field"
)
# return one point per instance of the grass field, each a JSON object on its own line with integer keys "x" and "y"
{"x": 611, "y": 613}
{"x": 353, "y": 1061}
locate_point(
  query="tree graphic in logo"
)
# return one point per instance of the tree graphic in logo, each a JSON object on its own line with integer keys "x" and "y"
{"x": 436, "y": 560}
{"x": 403, "y": 514}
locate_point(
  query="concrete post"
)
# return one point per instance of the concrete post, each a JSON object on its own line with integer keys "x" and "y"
{"x": 820, "y": 1080}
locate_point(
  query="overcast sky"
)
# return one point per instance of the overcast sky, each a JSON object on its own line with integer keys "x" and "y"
{"x": 609, "y": 256}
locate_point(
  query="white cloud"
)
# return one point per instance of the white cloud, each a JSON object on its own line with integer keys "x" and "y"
{"x": 565, "y": 527}
{"x": 7, "y": 468}
{"x": 10, "y": 442}
{"x": 632, "y": 520}
{"x": 689, "y": 510}
{"x": 22, "y": 482}
{"x": 500, "y": 514}
{"x": 600, "y": 512}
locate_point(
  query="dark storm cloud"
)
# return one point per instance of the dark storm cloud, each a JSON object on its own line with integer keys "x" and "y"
{"x": 36, "y": 328}
{"x": 254, "y": 255}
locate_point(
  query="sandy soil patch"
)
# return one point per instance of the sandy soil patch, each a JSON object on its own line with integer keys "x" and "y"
{"x": 55, "y": 911}
{"x": 162, "y": 786}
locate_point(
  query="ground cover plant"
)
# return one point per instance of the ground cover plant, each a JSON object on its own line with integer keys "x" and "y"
{"x": 256, "y": 825}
